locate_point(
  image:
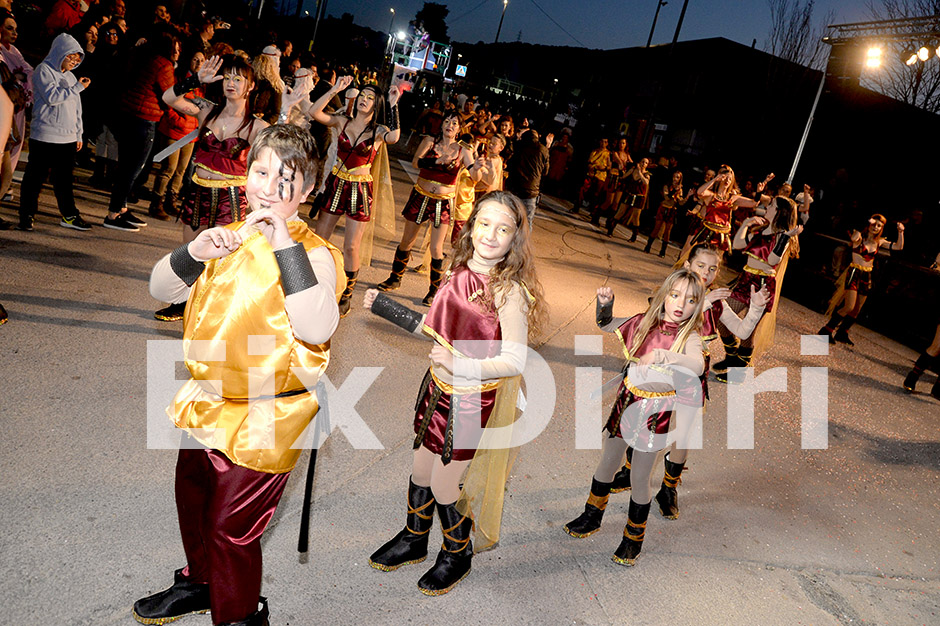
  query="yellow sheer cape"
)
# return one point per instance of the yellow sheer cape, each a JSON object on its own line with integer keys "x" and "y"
{"x": 484, "y": 487}
{"x": 383, "y": 207}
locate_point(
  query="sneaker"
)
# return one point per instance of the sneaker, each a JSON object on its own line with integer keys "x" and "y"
{"x": 26, "y": 223}
{"x": 119, "y": 223}
{"x": 5, "y": 225}
{"x": 133, "y": 219}
{"x": 75, "y": 222}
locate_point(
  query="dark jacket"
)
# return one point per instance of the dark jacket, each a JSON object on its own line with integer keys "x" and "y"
{"x": 528, "y": 164}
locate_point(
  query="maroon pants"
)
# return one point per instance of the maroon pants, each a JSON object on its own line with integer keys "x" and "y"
{"x": 223, "y": 510}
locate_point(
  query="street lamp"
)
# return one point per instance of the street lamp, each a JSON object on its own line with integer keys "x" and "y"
{"x": 660, "y": 4}
{"x": 505, "y": 2}
{"x": 873, "y": 60}
{"x": 392, "y": 20}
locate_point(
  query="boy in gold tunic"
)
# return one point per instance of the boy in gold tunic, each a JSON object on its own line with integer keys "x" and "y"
{"x": 265, "y": 291}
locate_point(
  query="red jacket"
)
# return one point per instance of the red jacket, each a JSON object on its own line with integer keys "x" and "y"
{"x": 62, "y": 17}
{"x": 176, "y": 125}
{"x": 143, "y": 98}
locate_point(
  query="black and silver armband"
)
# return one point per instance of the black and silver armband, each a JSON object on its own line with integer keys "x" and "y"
{"x": 393, "y": 122}
{"x": 186, "y": 85}
{"x": 185, "y": 266}
{"x": 781, "y": 246}
{"x": 296, "y": 271}
{"x": 397, "y": 314}
{"x": 605, "y": 313}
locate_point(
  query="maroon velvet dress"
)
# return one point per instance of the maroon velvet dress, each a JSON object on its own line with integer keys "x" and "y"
{"x": 349, "y": 186}
{"x": 858, "y": 277}
{"x": 639, "y": 416}
{"x": 716, "y": 225}
{"x": 212, "y": 202}
{"x": 422, "y": 205}
{"x": 759, "y": 247}
{"x": 448, "y": 418}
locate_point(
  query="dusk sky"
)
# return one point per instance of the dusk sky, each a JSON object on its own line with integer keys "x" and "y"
{"x": 592, "y": 23}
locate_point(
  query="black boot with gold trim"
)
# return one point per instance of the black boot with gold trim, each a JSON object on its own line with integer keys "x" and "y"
{"x": 730, "y": 343}
{"x": 183, "y": 598}
{"x": 399, "y": 265}
{"x": 351, "y": 279}
{"x": 736, "y": 376}
{"x": 622, "y": 478}
{"x": 436, "y": 276}
{"x": 589, "y": 522}
{"x": 633, "y": 534}
{"x": 666, "y": 498}
{"x": 454, "y": 559}
{"x": 411, "y": 544}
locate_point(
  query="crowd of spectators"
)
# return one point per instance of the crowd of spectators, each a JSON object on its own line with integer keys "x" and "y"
{"x": 123, "y": 69}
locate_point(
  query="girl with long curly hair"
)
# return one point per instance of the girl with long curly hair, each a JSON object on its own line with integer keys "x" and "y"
{"x": 486, "y": 309}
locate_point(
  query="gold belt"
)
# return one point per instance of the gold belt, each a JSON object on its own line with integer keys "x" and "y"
{"x": 721, "y": 228}
{"x": 435, "y": 196}
{"x": 353, "y": 178}
{"x": 646, "y": 394}
{"x": 212, "y": 183}
{"x": 860, "y": 267}
{"x": 451, "y": 389}
{"x": 759, "y": 272}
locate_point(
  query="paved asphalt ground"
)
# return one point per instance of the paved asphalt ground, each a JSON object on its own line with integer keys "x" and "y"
{"x": 770, "y": 535}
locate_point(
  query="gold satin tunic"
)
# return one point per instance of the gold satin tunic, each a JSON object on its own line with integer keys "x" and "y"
{"x": 238, "y": 305}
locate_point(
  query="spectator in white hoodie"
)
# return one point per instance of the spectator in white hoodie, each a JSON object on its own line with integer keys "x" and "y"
{"x": 55, "y": 133}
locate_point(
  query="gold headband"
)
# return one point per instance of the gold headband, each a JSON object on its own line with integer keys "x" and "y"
{"x": 500, "y": 209}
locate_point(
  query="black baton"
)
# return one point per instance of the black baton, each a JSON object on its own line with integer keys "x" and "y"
{"x": 321, "y": 422}
{"x": 305, "y": 507}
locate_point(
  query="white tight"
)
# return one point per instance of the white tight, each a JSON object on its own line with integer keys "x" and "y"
{"x": 444, "y": 480}
{"x": 641, "y": 468}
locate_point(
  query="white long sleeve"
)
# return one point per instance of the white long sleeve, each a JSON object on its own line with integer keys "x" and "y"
{"x": 741, "y": 328}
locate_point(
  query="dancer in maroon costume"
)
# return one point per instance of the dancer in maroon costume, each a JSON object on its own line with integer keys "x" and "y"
{"x": 349, "y": 187}
{"x": 855, "y": 283}
{"x": 439, "y": 161}
{"x": 493, "y": 299}
{"x": 666, "y": 338}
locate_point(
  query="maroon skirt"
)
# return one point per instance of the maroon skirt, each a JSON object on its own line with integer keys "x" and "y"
{"x": 450, "y": 425}
{"x": 643, "y": 422}
{"x": 858, "y": 280}
{"x": 213, "y": 206}
{"x": 705, "y": 235}
{"x": 420, "y": 208}
{"x": 343, "y": 197}
{"x": 742, "y": 288}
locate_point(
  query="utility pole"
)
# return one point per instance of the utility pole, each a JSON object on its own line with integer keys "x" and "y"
{"x": 505, "y": 2}
{"x": 650, "y": 127}
{"x": 660, "y": 4}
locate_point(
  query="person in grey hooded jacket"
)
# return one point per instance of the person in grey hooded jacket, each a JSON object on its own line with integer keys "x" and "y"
{"x": 55, "y": 133}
